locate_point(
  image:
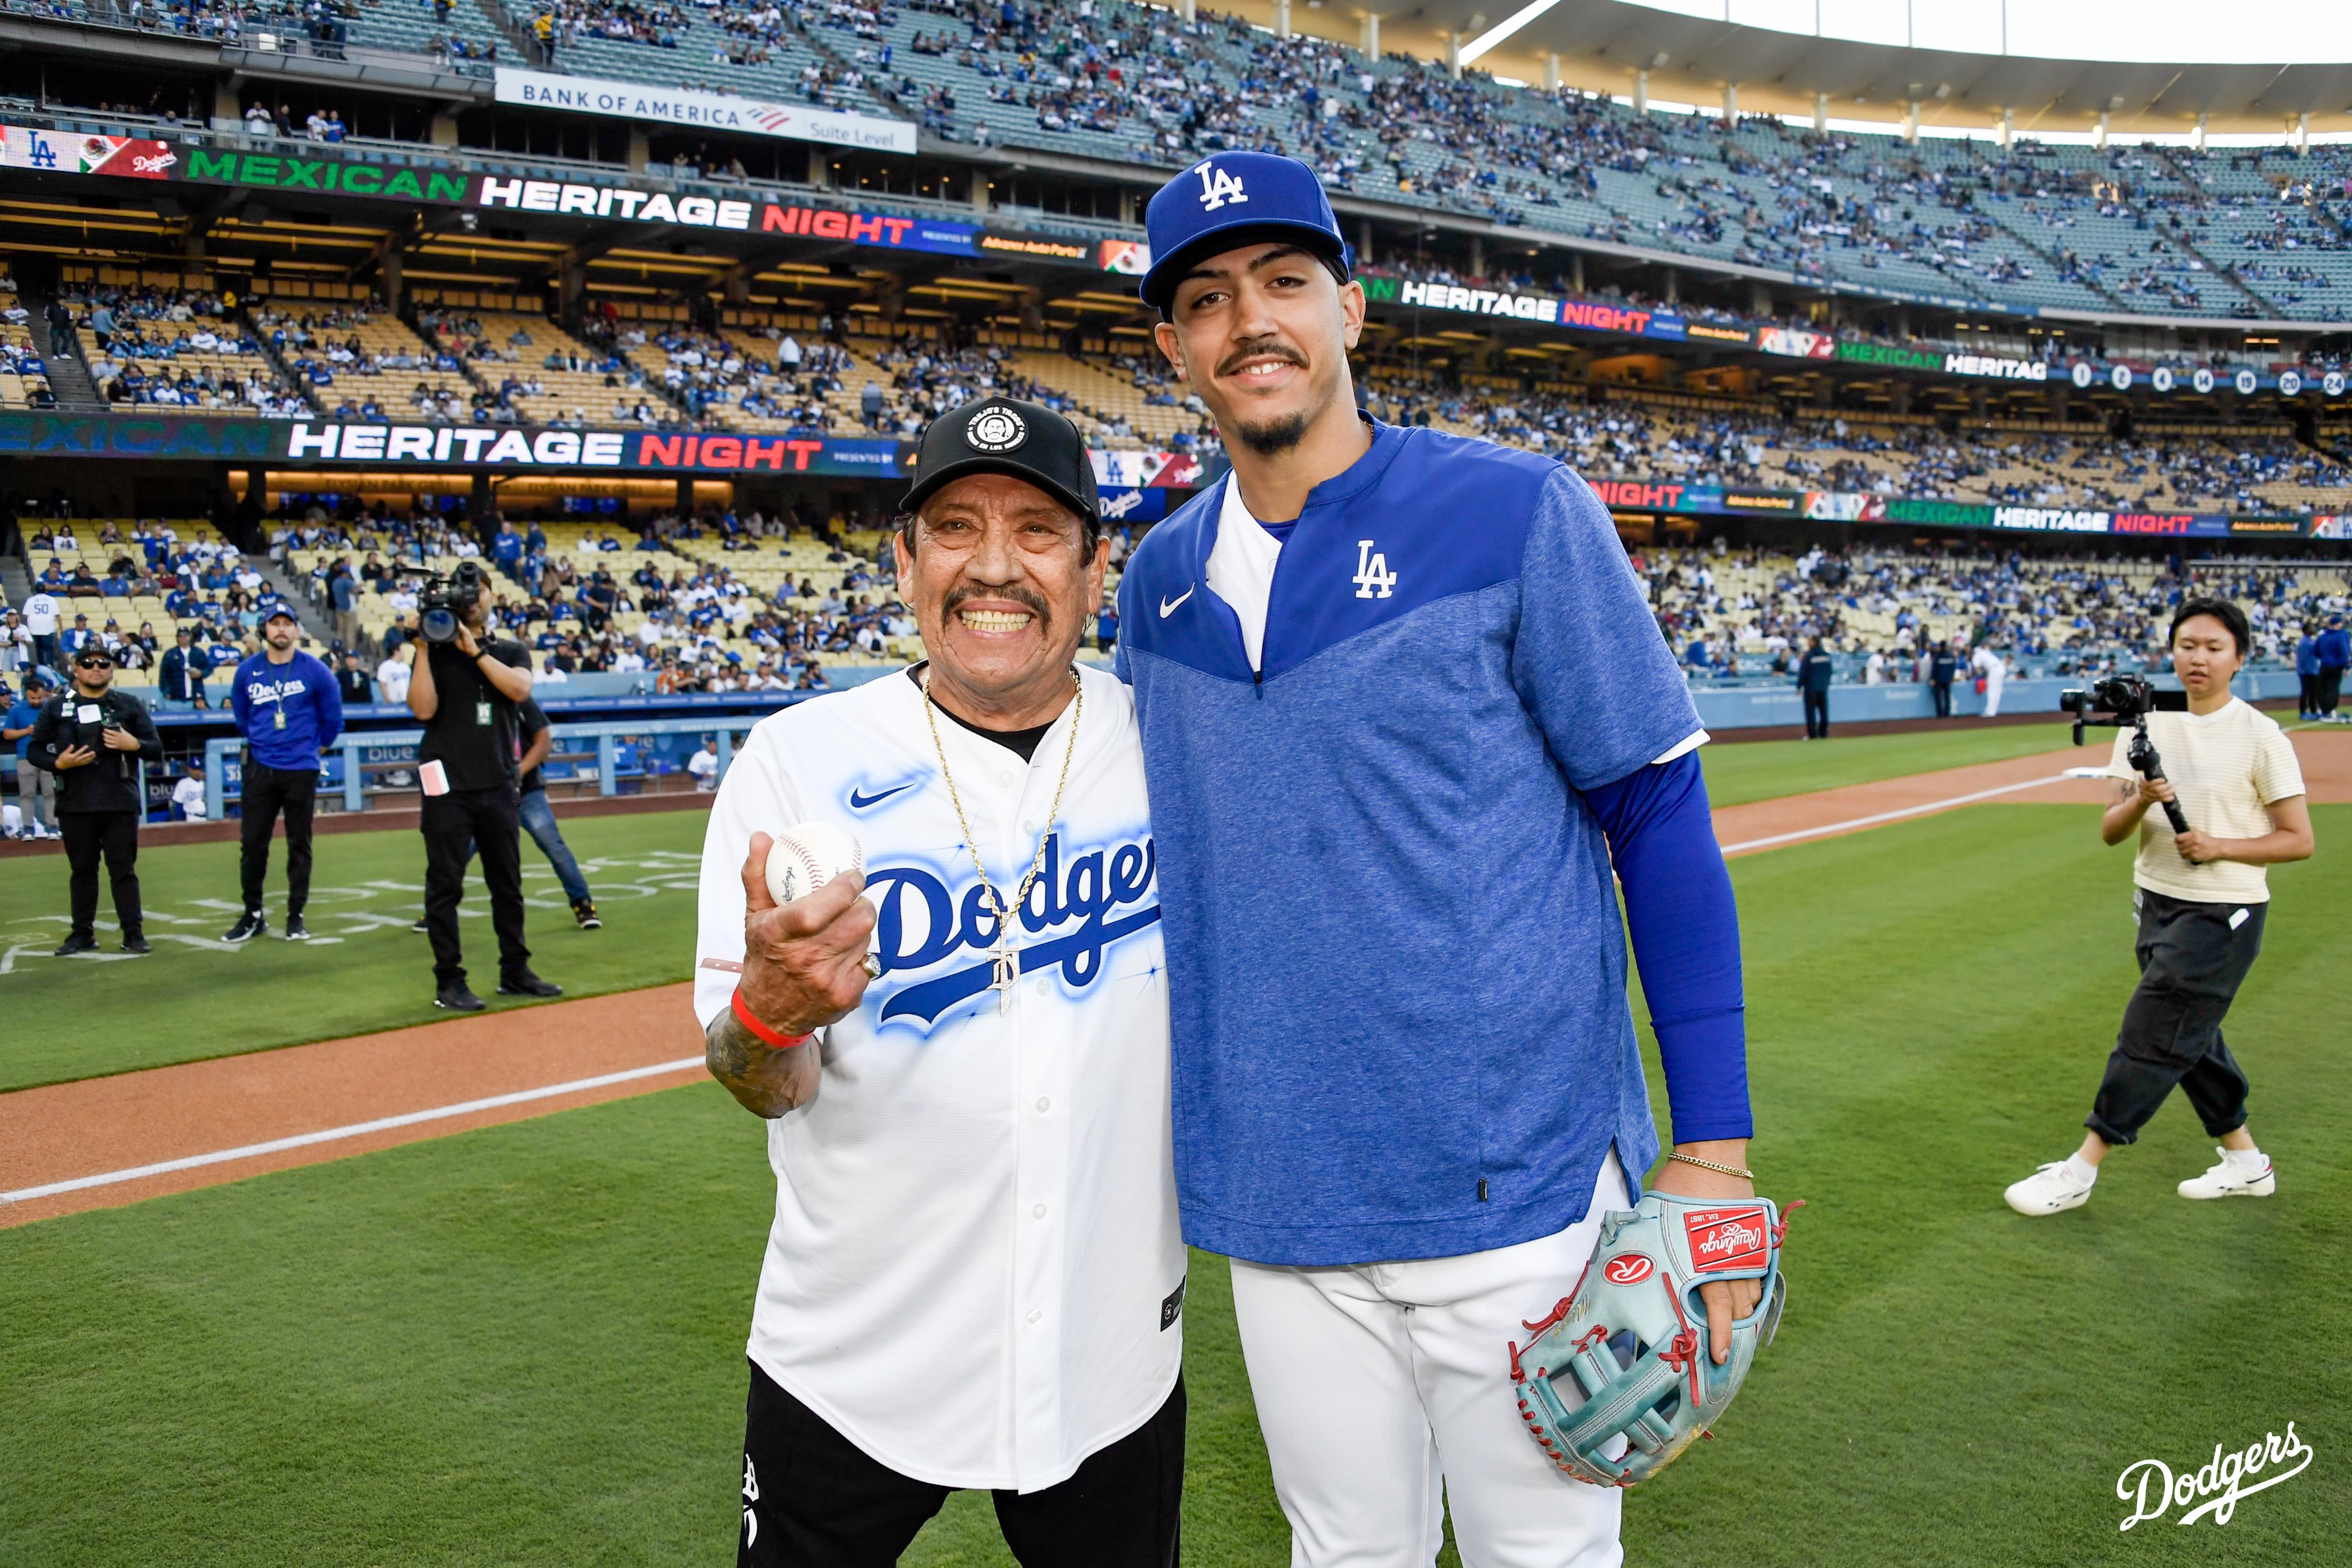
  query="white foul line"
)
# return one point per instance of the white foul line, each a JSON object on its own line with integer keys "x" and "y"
{"x": 1889, "y": 816}
{"x": 356, "y": 1130}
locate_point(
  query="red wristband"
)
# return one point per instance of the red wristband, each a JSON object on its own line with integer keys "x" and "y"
{"x": 759, "y": 1030}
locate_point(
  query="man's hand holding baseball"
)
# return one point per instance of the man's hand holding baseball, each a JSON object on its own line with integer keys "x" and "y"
{"x": 1730, "y": 1299}
{"x": 804, "y": 967}
{"x": 803, "y": 962}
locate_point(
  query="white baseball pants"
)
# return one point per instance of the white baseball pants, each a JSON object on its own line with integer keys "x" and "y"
{"x": 1383, "y": 1391}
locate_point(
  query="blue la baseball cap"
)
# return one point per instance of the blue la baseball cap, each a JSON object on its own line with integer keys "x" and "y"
{"x": 276, "y": 608}
{"x": 1233, "y": 199}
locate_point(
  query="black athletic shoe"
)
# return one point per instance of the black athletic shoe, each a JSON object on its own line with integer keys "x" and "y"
{"x": 419, "y": 927}
{"x": 73, "y": 944}
{"x": 583, "y": 910}
{"x": 295, "y": 930}
{"x": 457, "y": 998}
{"x": 526, "y": 983}
{"x": 136, "y": 945}
{"x": 250, "y": 924}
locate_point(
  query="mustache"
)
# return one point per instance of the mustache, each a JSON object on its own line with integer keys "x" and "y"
{"x": 1263, "y": 347}
{"x": 1028, "y": 598}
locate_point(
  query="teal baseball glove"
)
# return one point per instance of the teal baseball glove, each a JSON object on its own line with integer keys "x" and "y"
{"x": 1617, "y": 1380}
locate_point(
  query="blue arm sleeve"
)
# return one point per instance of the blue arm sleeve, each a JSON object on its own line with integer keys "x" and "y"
{"x": 1685, "y": 930}
{"x": 329, "y": 698}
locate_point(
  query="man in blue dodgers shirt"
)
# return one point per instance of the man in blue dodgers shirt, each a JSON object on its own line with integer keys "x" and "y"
{"x": 289, "y": 711}
{"x": 1403, "y": 712}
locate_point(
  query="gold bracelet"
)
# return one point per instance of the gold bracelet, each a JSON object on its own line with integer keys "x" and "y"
{"x": 1711, "y": 1166}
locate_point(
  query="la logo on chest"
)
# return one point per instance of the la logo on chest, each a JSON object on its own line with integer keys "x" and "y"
{"x": 1374, "y": 578}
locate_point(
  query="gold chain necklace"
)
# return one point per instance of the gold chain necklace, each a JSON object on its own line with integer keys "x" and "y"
{"x": 1004, "y": 957}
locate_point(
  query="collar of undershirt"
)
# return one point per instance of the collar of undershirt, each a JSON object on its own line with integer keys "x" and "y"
{"x": 1022, "y": 742}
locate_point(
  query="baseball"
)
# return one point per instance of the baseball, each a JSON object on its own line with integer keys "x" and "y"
{"x": 807, "y": 857}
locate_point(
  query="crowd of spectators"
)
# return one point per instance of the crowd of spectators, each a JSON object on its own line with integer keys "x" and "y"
{"x": 179, "y": 349}
{"x": 205, "y": 586}
{"x": 690, "y": 623}
{"x": 1731, "y": 614}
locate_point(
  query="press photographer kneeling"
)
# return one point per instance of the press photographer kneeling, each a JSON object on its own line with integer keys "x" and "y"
{"x": 2214, "y": 792}
{"x": 468, "y": 689}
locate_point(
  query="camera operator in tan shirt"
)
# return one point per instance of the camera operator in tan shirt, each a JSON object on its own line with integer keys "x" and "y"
{"x": 2201, "y": 897}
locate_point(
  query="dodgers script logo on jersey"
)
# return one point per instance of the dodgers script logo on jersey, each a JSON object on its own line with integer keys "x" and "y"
{"x": 925, "y": 920}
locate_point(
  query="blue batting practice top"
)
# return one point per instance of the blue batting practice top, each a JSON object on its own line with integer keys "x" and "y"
{"x": 1398, "y": 966}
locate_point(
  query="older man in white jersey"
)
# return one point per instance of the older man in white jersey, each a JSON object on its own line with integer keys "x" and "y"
{"x": 973, "y": 1279}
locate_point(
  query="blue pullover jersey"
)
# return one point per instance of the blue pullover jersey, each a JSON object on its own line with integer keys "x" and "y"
{"x": 1396, "y": 958}
{"x": 303, "y": 689}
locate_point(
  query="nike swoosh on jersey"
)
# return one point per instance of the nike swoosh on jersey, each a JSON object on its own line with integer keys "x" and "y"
{"x": 858, "y": 802}
{"x": 1168, "y": 606}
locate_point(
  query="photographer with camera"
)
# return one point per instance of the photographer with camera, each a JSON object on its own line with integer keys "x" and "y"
{"x": 468, "y": 691}
{"x": 93, "y": 738}
{"x": 2228, "y": 799}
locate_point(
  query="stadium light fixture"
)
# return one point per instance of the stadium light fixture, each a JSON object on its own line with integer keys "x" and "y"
{"x": 1504, "y": 30}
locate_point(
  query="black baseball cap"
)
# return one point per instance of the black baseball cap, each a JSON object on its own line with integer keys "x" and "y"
{"x": 1006, "y": 435}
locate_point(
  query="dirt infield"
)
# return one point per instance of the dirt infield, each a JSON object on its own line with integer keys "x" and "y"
{"x": 99, "y": 1125}
{"x": 428, "y": 1080}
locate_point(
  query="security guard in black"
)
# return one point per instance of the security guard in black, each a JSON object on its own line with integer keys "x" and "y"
{"x": 97, "y": 741}
{"x": 469, "y": 692}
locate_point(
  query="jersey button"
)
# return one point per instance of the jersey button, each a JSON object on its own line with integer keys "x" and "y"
{"x": 1038, "y": 1212}
{"x": 1006, "y": 779}
{"x": 1043, "y": 1104}
{"x": 1036, "y": 1316}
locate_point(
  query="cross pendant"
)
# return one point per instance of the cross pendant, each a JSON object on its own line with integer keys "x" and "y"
{"x": 1006, "y": 963}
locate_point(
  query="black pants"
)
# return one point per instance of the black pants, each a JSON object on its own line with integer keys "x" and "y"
{"x": 2192, "y": 963}
{"x": 490, "y": 821}
{"x": 1942, "y": 690}
{"x": 2331, "y": 690}
{"x": 268, "y": 791}
{"x": 115, "y": 835}
{"x": 812, "y": 1499}
{"x": 1817, "y": 715}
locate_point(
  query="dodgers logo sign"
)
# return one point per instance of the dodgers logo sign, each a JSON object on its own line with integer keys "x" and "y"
{"x": 1075, "y": 911}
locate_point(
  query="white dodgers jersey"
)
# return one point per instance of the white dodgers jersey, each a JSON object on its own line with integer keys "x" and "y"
{"x": 974, "y": 1271}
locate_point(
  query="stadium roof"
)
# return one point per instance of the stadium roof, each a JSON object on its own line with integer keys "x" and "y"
{"x": 1692, "y": 57}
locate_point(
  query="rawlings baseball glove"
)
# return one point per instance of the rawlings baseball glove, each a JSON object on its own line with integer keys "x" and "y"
{"x": 1624, "y": 1356}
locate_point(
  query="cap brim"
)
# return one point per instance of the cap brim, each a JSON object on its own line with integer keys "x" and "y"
{"x": 930, "y": 483}
{"x": 1158, "y": 286}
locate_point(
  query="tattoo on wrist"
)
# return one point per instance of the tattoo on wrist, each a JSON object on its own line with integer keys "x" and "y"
{"x": 729, "y": 1049}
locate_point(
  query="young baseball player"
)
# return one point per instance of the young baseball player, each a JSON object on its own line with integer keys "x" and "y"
{"x": 1407, "y": 721}
{"x": 973, "y": 1278}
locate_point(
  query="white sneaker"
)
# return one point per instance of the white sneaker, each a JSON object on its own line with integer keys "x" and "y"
{"x": 2049, "y": 1190}
{"x": 2230, "y": 1179}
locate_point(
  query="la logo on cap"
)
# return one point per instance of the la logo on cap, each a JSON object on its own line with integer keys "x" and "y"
{"x": 995, "y": 430}
{"x": 1218, "y": 187}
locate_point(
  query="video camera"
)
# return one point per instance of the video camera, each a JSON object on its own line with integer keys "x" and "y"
{"x": 2128, "y": 700}
{"x": 448, "y": 601}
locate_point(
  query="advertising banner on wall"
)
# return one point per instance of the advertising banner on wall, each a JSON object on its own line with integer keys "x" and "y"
{"x": 76, "y": 153}
{"x": 693, "y": 110}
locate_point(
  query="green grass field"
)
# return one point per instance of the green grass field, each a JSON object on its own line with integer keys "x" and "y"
{"x": 1740, "y": 771}
{"x": 364, "y": 968}
{"x": 523, "y": 1345}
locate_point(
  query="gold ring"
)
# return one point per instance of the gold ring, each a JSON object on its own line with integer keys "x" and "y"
{"x": 873, "y": 967}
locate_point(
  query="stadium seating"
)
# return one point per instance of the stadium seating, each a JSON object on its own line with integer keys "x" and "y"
{"x": 171, "y": 346}
{"x": 2063, "y": 613}
{"x": 22, "y": 382}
